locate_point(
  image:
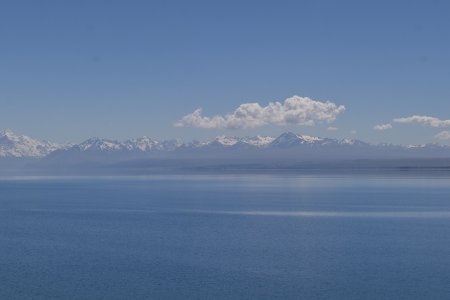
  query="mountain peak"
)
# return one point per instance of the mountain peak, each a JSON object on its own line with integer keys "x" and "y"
{"x": 99, "y": 144}
{"x": 6, "y": 131}
{"x": 12, "y": 145}
{"x": 289, "y": 139}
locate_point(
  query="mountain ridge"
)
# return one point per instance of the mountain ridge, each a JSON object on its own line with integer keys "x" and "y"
{"x": 21, "y": 146}
{"x": 288, "y": 144}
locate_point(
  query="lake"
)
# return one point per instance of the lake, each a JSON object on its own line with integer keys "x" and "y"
{"x": 225, "y": 237}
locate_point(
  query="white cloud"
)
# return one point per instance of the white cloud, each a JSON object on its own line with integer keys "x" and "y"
{"x": 294, "y": 111}
{"x": 424, "y": 120}
{"x": 331, "y": 128}
{"x": 382, "y": 127}
{"x": 443, "y": 135}
{"x": 353, "y": 132}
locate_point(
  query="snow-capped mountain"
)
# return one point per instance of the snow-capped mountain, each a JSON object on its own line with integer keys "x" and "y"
{"x": 21, "y": 146}
{"x": 289, "y": 139}
{"x": 286, "y": 146}
{"x": 97, "y": 144}
{"x": 258, "y": 141}
{"x": 226, "y": 141}
{"x": 142, "y": 144}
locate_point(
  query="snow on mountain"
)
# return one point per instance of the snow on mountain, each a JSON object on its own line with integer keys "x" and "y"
{"x": 223, "y": 142}
{"x": 146, "y": 144}
{"x": 142, "y": 144}
{"x": 284, "y": 146}
{"x": 258, "y": 141}
{"x": 289, "y": 139}
{"x": 13, "y": 145}
{"x": 97, "y": 144}
{"x": 353, "y": 142}
{"x": 226, "y": 141}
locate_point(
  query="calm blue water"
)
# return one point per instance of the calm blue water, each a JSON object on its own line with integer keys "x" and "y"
{"x": 225, "y": 237}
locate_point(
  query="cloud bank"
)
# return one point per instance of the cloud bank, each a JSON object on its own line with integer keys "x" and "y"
{"x": 382, "y": 127}
{"x": 424, "y": 120}
{"x": 293, "y": 111}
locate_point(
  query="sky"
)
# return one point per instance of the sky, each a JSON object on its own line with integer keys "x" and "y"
{"x": 378, "y": 71}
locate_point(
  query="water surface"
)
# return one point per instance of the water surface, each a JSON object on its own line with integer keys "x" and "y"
{"x": 225, "y": 237}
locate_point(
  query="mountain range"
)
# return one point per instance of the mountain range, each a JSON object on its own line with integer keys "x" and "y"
{"x": 21, "y": 146}
{"x": 285, "y": 150}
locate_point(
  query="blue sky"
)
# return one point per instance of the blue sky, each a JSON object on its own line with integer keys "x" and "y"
{"x": 70, "y": 70}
